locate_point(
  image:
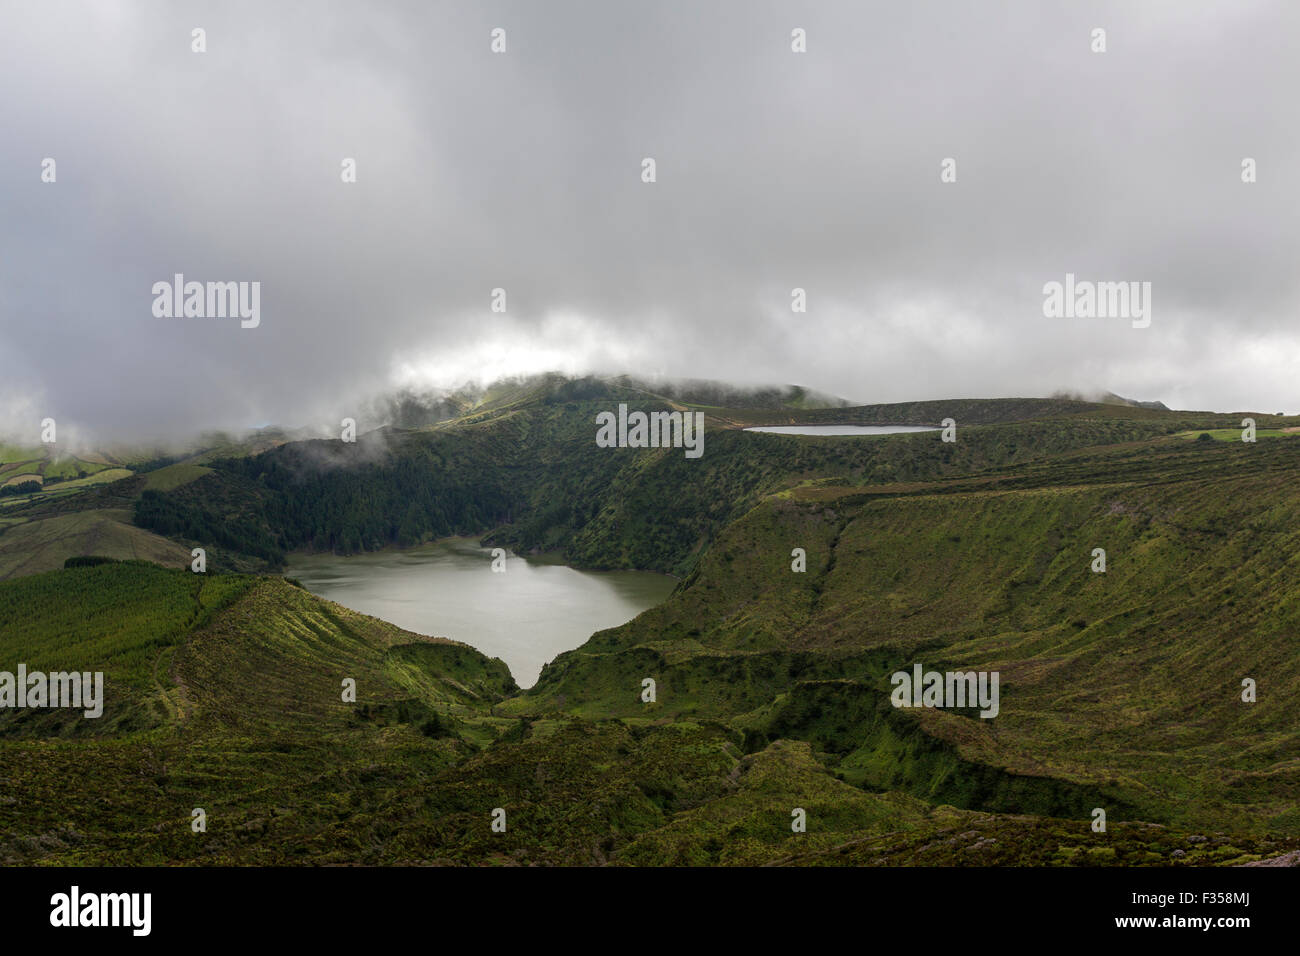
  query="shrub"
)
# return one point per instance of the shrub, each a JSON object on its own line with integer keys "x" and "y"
{"x": 88, "y": 561}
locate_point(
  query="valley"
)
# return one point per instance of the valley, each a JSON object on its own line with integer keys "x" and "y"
{"x": 1119, "y": 690}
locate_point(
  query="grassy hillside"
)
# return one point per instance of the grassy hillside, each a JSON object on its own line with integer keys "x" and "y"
{"x": 43, "y": 482}
{"x": 29, "y": 547}
{"x": 222, "y": 692}
{"x": 54, "y": 506}
{"x": 523, "y": 465}
{"x": 1119, "y": 690}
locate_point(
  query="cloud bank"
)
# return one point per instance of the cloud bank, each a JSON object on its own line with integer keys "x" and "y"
{"x": 522, "y": 171}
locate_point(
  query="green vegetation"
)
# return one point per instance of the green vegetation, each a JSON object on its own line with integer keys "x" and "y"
{"x": 50, "y": 471}
{"x": 1120, "y": 690}
{"x": 524, "y": 465}
{"x": 1234, "y": 434}
{"x": 170, "y": 477}
{"x": 88, "y": 561}
{"x": 20, "y": 485}
{"x": 44, "y": 544}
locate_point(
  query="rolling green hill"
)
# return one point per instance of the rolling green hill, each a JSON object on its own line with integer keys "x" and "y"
{"x": 44, "y": 544}
{"x": 222, "y": 692}
{"x": 523, "y": 465}
{"x": 1120, "y": 690}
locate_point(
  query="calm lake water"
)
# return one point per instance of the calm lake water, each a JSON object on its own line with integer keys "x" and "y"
{"x": 525, "y": 615}
{"x": 840, "y": 429}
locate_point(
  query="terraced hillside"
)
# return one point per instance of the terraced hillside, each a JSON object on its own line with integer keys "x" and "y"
{"x": 1120, "y": 690}
{"x": 55, "y": 504}
{"x": 523, "y": 466}
{"x": 224, "y": 693}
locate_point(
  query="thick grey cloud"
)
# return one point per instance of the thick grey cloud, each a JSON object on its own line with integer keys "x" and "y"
{"x": 522, "y": 170}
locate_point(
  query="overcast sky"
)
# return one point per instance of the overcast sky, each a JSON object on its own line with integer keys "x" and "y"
{"x": 523, "y": 170}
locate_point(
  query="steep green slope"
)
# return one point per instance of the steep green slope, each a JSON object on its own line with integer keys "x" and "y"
{"x": 524, "y": 467}
{"x": 44, "y": 544}
{"x": 221, "y": 692}
{"x": 1119, "y": 689}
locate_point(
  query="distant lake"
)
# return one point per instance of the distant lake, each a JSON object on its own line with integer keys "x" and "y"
{"x": 841, "y": 429}
{"x": 525, "y": 615}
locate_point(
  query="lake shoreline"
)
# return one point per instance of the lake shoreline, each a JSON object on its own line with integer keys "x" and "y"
{"x": 523, "y": 611}
{"x": 553, "y": 558}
